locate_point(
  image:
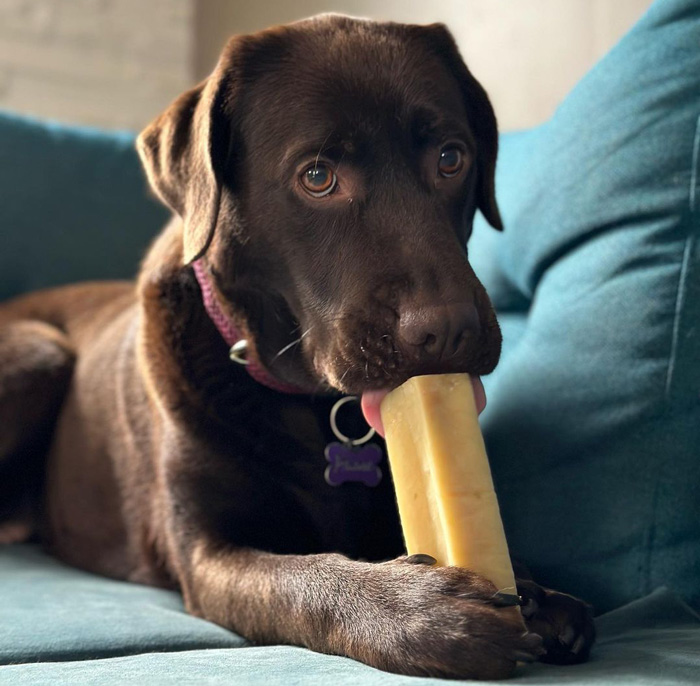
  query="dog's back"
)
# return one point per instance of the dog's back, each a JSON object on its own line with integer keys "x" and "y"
{"x": 42, "y": 334}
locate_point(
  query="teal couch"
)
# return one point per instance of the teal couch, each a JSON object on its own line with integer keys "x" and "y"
{"x": 593, "y": 421}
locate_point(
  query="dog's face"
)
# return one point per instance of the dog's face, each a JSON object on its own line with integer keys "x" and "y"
{"x": 328, "y": 172}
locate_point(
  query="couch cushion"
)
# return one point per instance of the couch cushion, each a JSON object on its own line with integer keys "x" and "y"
{"x": 73, "y": 205}
{"x": 50, "y": 612}
{"x": 142, "y": 636}
{"x": 593, "y": 421}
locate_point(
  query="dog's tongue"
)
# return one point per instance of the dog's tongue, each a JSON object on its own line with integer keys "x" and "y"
{"x": 372, "y": 401}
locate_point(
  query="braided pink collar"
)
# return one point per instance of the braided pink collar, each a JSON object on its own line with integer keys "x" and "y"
{"x": 232, "y": 334}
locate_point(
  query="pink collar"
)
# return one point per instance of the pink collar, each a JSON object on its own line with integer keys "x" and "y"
{"x": 232, "y": 334}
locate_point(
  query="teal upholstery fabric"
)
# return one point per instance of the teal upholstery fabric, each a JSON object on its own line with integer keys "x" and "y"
{"x": 73, "y": 205}
{"x": 593, "y": 421}
{"x": 54, "y": 618}
{"x": 52, "y": 613}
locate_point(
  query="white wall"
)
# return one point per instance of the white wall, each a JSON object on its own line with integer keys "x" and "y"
{"x": 117, "y": 63}
{"x": 111, "y": 63}
{"x": 527, "y": 53}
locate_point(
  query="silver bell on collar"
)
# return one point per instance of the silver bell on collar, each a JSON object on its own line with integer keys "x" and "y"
{"x": 239, "y": 351}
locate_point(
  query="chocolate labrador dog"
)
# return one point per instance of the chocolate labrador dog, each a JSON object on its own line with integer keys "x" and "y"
{"x": 324, "y": 179}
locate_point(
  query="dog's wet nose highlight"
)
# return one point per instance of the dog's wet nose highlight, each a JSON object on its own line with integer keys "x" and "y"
{"x": 435, "y": 333}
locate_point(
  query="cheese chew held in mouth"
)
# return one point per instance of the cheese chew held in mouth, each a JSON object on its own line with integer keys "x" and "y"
{"x": 447, "y": 503}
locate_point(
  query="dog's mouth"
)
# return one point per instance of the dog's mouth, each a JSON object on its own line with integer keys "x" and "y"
{"x": 372, "y": 402}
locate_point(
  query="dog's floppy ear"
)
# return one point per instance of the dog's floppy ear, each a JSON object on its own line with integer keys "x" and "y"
{"x": 482, "y": 119}
{"x": 185, "y": 152}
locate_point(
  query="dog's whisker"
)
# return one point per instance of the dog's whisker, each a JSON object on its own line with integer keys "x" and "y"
{"x": 292, "y": 344}
{"x": 289, "y": 346}
{"x": 345, "y": 373}
{"x": 340, "y": 162}
{"x": 318, "y": 154}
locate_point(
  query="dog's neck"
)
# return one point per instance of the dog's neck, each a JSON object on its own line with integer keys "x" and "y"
{"x": 232, "y": 334}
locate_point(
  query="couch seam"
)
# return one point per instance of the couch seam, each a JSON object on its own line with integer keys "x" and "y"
{"x": 685, "y": 265}
{"x": 680, "y": 300}
{"x": 695, "y": 165}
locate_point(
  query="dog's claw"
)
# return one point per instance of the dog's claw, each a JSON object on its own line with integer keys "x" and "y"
{"x": 421, "y": 559}
{"x": 567, "y": 636}
{"x": 506, "y": 599}
{"x": 534, "y": 643}
{"x": 529, "y": 607}
{"x": 578, "y": 644}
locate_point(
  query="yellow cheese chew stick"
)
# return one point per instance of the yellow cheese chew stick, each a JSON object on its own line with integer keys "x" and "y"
{"x": 447, "y": 503}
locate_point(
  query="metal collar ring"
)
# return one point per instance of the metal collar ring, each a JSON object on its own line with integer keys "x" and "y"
{"x": 334, "y": 426}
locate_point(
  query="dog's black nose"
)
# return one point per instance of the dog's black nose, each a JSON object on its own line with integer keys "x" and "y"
{"x": 435, "y": 333}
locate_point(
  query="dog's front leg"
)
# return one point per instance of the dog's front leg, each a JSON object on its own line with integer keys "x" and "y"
{"x": 404, "y": 616}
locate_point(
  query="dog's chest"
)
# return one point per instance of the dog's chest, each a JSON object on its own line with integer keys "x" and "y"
{"x": 321, "y": 495}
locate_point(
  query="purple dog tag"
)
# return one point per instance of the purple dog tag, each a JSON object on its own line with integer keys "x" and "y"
{"x": 346, "y": 463}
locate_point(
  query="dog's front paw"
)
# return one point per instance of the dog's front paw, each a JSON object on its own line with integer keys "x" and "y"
{"x": 442, "y": 622}
{"x": 564, "y": 622}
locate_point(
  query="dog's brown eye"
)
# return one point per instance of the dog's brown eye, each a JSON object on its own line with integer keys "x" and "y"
{"x": 451, "y": 162}
{"x": 319, "y": 180}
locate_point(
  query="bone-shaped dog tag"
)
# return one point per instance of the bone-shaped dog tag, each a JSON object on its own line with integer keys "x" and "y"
{"x": 348, "y": 463}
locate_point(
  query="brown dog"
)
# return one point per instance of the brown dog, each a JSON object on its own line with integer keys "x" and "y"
{"x": 324, "y": 178}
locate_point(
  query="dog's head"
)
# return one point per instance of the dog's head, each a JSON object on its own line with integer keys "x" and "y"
{"x": 328, "y": 173}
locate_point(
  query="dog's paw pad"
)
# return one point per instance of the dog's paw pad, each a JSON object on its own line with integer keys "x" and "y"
{"x": 564, "y": 622}
{"x": 566, "y": 648}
